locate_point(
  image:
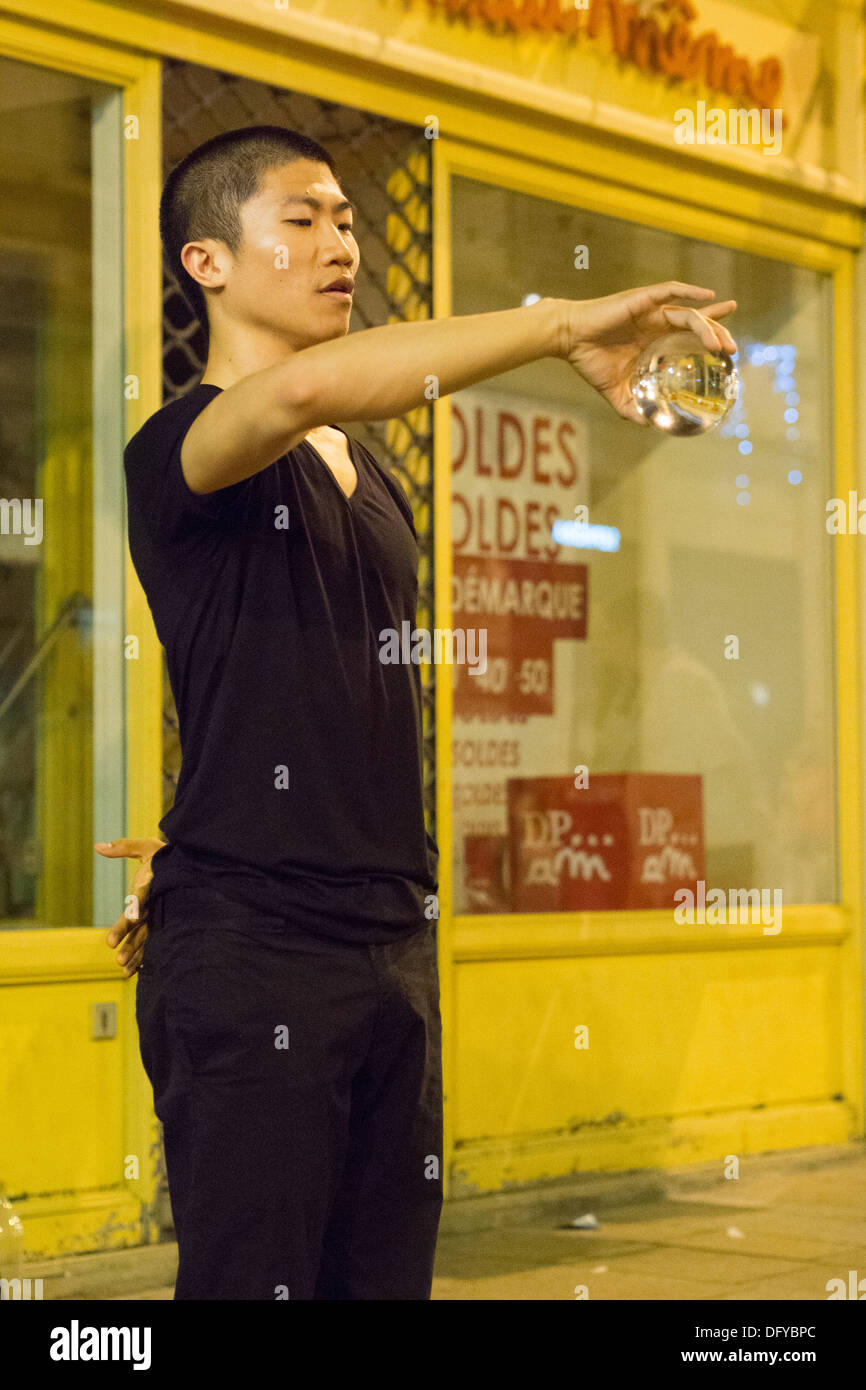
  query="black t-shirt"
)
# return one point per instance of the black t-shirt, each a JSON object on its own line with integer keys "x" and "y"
{"x": 301, "y": 785}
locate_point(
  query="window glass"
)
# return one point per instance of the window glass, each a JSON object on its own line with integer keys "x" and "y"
{"x": 660, "y": 713}
{"x": 60, "y": 574}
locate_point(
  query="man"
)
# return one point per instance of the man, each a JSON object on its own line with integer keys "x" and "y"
{"x": 288, "y": 1001}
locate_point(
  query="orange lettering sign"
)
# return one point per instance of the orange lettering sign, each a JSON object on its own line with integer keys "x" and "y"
{"x": 660, "y": 41}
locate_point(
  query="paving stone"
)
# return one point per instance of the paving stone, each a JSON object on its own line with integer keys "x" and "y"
{"x": 558, "y": 1285}
{"x": 486, "y": 1254}
{"x": 802, "y": 1282}
{"x": 700, "y": 1267}
{"x": 810, "y": 1223}
{"x": 147, "y": 1295}
{"x": 804, "y": 1249}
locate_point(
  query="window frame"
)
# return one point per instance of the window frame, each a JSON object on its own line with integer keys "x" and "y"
{"x": 530, "y": 935}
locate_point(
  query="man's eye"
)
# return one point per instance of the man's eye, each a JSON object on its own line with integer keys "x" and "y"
{"x": 307, "y": 221}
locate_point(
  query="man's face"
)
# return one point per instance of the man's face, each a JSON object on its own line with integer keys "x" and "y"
{"x": 297, "y": 240}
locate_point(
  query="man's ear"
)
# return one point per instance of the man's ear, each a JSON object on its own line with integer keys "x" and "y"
{"x": 206, "y": 262}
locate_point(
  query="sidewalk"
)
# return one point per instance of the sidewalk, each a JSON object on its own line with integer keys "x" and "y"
{"x": 787, "y": 1225}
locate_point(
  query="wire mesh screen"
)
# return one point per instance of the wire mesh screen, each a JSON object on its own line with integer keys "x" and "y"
{"x": 385, "y": 169}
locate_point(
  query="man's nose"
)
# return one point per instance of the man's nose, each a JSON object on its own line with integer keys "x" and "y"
{"x": 335, "y": 252}
{"x": 335, "y": 241}
{"x": 342, "y": 254}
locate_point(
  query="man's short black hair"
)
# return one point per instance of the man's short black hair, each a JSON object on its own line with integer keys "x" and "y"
{"x": 204, "y": 193}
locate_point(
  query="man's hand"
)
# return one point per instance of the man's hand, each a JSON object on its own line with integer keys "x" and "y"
{"x": 130, "y": 929}
{"x": 603, "y": 338}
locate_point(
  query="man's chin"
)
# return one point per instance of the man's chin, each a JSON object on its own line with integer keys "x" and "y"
{"x": 331, "y": 325}
{"x": 315, "y": 330}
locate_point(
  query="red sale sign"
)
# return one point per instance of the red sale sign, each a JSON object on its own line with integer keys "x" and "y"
{"x": 628, "y": 840}
{"x": 522, "y": 605}
{"x": 520, "y": 602}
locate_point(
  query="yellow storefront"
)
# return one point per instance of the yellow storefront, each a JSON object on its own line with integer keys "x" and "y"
{"x": 496, "y": 151}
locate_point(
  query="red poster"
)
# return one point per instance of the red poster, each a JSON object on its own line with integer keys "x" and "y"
{"x": 522, "y": 606}
{"x": 628, "y": 840}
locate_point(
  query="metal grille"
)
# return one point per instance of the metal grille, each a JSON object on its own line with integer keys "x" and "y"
{"x": 385, "y": 168}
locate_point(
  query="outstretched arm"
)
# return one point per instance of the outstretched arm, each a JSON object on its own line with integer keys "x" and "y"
{"x": 385, "y": 372}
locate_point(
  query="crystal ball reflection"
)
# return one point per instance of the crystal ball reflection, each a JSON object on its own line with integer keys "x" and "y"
{"x": 682, "y": 387}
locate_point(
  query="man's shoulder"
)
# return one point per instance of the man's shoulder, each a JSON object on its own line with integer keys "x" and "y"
{"x": 160, "y": 429}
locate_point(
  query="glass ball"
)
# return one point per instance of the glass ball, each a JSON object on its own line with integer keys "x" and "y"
{"x": 682, "y": 387}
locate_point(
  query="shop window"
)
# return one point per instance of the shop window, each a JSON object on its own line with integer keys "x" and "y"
{"x": 61, "y": 520}
{"x": 659, "y": 713}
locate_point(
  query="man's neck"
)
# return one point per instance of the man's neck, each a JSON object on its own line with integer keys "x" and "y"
{"x": 228, "y": 363}
{"x": 242, "y": 354}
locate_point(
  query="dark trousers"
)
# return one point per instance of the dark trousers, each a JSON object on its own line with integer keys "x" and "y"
{"x": 299, "y": 1085}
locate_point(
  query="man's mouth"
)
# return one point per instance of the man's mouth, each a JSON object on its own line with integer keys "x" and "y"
{"x": 340, "y": 289}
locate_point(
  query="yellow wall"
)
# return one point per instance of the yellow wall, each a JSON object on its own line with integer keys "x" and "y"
{"x": 691, "y": 1057}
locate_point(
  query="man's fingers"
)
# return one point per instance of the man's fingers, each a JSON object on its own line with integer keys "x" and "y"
{"x": 678, "y": 317}
{"x": 126, "y": 923}
{"x": 134, "y": 941}
{"x": 708, "y": 332}
{"x": 117, "y": 849}
{"x": 128, "y": 848}
{"x": 130, "y": 955}
{"x": 676, "y": 289}
{"x": 713, "y": 336}
{"x": 119, "y": 930}
{"x": 711, "y": 332}
{"x": 718, "y": 311}
{"x": 134, "y": 961}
